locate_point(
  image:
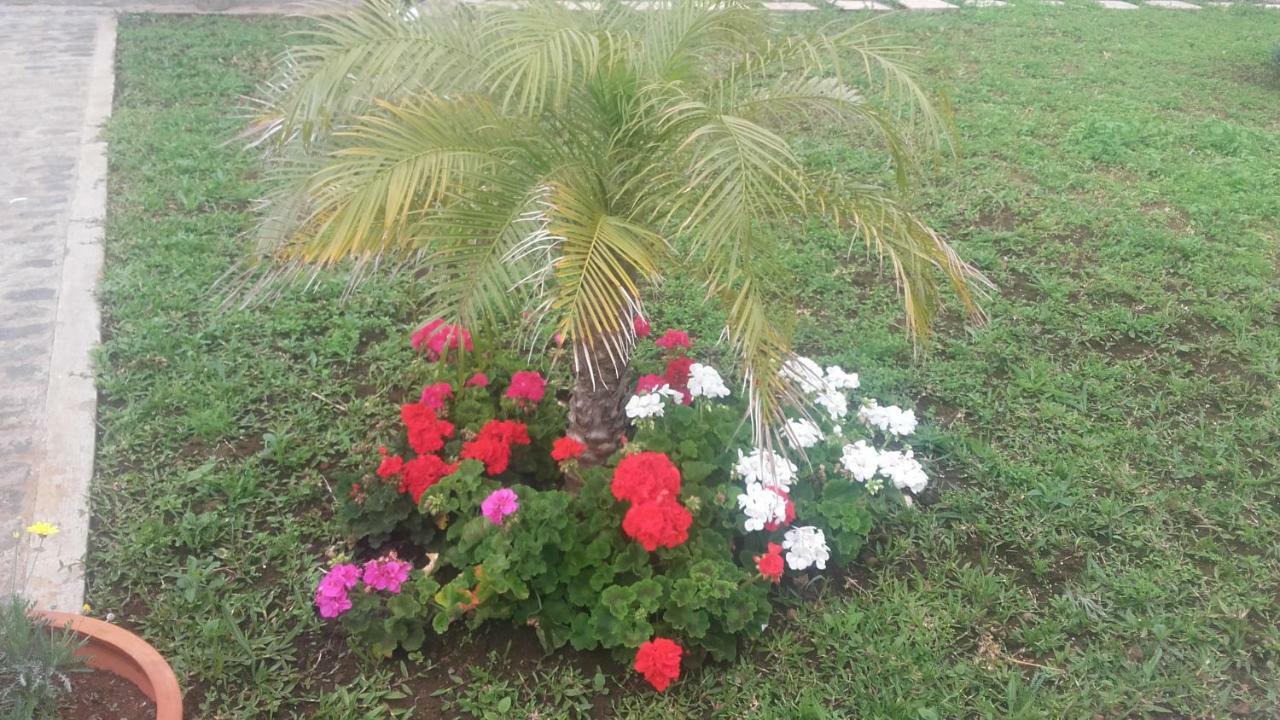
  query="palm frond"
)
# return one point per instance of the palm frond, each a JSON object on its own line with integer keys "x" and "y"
{"x": 917, "y": 254}
{"x": 386, "y": 166}
{"x": 600, "y": 261}
{"x": 347, "y": 61}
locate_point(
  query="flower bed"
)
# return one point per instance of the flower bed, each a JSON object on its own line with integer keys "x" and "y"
{"x": 665, "y": 555}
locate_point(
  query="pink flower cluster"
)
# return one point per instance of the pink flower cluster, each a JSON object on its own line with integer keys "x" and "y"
{"x": 331, "y": 595}
{"x": 438, "y": 337}
{"x": 499, "y": 505}
{"x": 386, "y": 574}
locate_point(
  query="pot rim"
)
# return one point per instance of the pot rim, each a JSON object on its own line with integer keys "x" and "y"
{"x": 123, "y": 653}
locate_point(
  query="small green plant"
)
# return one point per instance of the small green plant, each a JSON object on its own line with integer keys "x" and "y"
{"x": 34, "y": 662}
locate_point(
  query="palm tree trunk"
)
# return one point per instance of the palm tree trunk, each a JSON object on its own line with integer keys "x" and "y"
{"x": 597, "y": 415}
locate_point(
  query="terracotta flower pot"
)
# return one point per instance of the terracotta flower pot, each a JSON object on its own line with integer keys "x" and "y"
{"x": 122, "y": 653}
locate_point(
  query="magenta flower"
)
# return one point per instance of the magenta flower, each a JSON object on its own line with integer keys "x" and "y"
{"x": 387, "y": 574}
{"x": 434, "y": 396}
{"x": 527, "y": 386}
{"x": 499, "y": 505}
{"x": 674, "y": 339}
{"x": 477, "y": 380}
{"x": 331, "y": 594}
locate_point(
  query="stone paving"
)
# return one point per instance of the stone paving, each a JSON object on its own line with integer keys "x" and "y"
{"x": 49, "y": 62}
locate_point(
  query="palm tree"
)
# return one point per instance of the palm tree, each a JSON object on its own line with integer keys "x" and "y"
{"x": 551, "y": 163}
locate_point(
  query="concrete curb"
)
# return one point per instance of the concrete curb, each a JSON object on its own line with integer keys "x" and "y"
{"x": 62, "y": 479}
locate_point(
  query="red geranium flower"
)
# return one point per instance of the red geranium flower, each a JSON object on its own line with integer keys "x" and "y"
{"x": 658, "y": 660}
{"x": 566, "y": 448}
{"x": 422, "y": 472}
{"x": 437, "y": 337}
{"x": 649, "y": 383}
{"x": 527, "y": 386}
{"x": 662, "y": 523}
{"x": 677, "y": 376}
{"x": 493, "y": 445}
{"x": 390, "y": 466}
{"x": 642, "y": 326}
{"x": 427, "y": 432}
{"x": 495, "y": 454}
{"x": 645, "y": 477}
{"x": 434, "y": 396}
{"x": 477, "y": 380}
{"x": 673, "y": 339}
{"x": 770, "y": 563}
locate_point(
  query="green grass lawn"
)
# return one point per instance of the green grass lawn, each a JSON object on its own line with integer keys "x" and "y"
{"x": 1105, "y": 539}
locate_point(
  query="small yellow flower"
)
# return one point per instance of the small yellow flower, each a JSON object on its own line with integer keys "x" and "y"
{"x": 85, "y": 609}
{"x": 43, "y": 529}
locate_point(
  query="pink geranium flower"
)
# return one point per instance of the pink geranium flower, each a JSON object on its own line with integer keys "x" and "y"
{"x": 387, "y": 573}
{"x": 527, "y": 386}
{"x": 332, "y": 597}
{"x": 642, "y": 326}
{"x": 437, "y": 337}
{"x": 434, "y": 396}
{"x": 673, "y": 339}
{"x": 477, "y": 380}
{"x": 649, "y": 383}
{"x": 499, "y": 505}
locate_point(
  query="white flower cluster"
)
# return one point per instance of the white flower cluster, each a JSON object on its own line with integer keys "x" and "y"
{"x": 762, "y": 506}
{"x": 644, "y": 406}
{"x": 891, "y": 419}
{"x": 827, "y": 388}
{"x": 806, "y": 546}
{"x": 802, "y": 433}
{"x": 767, "y": 468}
{"x": 704, "y": 381}
{"x": 900, "y": 466}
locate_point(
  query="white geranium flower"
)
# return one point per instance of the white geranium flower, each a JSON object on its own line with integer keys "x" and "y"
{"x": 891, "y": 419}
{"x": 838, "y": 378}
{"x": 668, "y": 392}
{"x": 761, "y": 506}
{"x": 805, "y": 373}
{"x": 645, "y": 406}
{"x": 767, "y": 468}
{"x": 704, "y": 381}
{"x": 802, "y": 433}
{"x": 861, "y": 460}
{"x": 834, "y": 402}
{"x": 806, "y": 546}
{"x": 904, "y": 470}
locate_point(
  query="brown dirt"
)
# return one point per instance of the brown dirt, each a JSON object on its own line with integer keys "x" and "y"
{"x": 99, "y": 695}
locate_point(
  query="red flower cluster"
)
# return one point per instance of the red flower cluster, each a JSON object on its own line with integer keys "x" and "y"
{"x": 673, "y": 339}
{"x": 422, "y": 472}
{"x": 566, "y": 448}
{"x": 658, "y": 660}
{"x": 437, "y": 337}
{"x": 427, "y": 432}
{"x": 415, "y": 475}
{"x": 770, "y": 563}
{"x": 651, "y": 483}
{"x": 390, "y": 466}
{"x": 493, "y": 445}
{"x": 527, "y": 387}
{"x": 477, "y": 380}
{"x": 435, "y": 396}
{"x": 645, "y": 477}
{"x": 663, "y": 523}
